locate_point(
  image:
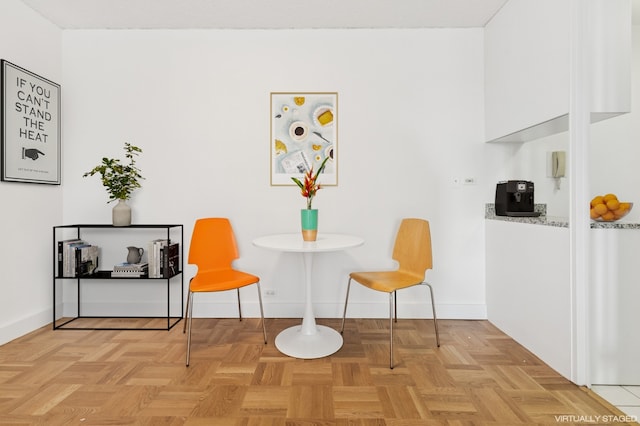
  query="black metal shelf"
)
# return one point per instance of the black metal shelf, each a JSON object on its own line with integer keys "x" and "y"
{"x": 67, "y": 323}
{"x": 106, "y": 275}
{"x": 103, "y": 225}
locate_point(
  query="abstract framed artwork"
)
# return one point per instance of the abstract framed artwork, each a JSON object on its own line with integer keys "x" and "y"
{"x": 30, "y": 127}
{"x": 304, "y": 131}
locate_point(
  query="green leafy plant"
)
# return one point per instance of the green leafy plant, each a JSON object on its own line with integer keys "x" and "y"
{"x": 119, "y": 179}
{"x": 309, "y": 187}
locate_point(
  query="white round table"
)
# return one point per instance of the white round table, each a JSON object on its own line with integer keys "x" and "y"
{"x": 308, "y": 340}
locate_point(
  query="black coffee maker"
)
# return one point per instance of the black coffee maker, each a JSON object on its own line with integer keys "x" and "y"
{"x": 515, "y": 198}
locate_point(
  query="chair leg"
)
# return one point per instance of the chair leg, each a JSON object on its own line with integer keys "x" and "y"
{"x": 395, "y": 305}
{"x": 239, "y": 308}
{"x": 186, "y": 310}
{"x": 186, "y": 313}
{"x": 344, "y": 314}
{"x": 189, "y": 321}
{"x": 264, "y": 327}
{"x": 433, "y": 309}
{"x": 391, "y": 303}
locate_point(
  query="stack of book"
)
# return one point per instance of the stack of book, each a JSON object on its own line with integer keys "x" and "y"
{"x": 153, "y": 252}
{"x": 130, "y": 270}
{"x": 76, "y": 258}
{"x": 170, "y": 256}
{"x": 164, "y": 258}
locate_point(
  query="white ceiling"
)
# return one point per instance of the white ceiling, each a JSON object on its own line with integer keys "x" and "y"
{"x": 273, "y": 14}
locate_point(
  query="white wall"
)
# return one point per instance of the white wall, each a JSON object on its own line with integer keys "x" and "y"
{"x": 529, "y": 161}
{"x": 197, "y": 102}
{"x": 28, "y": 210}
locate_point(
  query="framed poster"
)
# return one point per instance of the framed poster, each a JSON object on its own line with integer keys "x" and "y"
{"x": 304, "y": 131}
{"x": 30, "y": 124}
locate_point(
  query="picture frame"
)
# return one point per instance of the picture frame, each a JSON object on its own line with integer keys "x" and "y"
{"x": 29, "y": 127}
{"x": 304, "y": 131}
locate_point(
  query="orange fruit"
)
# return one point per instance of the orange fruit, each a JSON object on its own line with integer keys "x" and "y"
{"x": 608, "y": 207}
{"x": 608, "y": 216}
{"x": 600, "y": 209}
{"x": 622, "y": 210}
{"x": 613, "y": 204}
{"x": 299, "y": 100}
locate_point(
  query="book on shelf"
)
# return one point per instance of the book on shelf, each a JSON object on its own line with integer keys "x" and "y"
{"x": 63, "y": 253}
{"x": 87, "y": 257}
{"x": 153, "y": 253}
{"x": 70, "y": 258}
{"x": 133, "y": 270}
{"x": 170, "y": 264}
{"x": 76, "y": 258}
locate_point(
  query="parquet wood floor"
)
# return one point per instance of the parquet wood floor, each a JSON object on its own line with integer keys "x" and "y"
{"x": 478, "y": 376}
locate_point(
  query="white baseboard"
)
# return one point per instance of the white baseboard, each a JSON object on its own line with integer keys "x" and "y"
{"x": 22, "y": 326}
{"x": 123, "y": 309}
{"x": 333, "y": 310}
{"x": 288, "y": 310}
{"x": 30, "y": 323}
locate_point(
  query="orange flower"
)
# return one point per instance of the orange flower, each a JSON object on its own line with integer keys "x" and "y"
{"x": 310, "y": 186}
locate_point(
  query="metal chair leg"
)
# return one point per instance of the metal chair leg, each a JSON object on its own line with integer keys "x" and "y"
{"x": 433, "y": 309}
{"x": 264, "y": 328}
{"x": 344, "y": 314}
{"x": 189, "y": 321}
{"x": 239, "y": 308}
{"x": 391, "y": 303}
{"x": 395, "y": 305}
{"x": 186, "y": 312}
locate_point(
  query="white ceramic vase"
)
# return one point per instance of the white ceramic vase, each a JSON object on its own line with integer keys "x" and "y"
{"x": 121, "y": 214}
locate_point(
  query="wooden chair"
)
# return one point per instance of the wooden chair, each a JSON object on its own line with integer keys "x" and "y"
{"x": 213, "y": 249}
{"x": 412, "y": 251}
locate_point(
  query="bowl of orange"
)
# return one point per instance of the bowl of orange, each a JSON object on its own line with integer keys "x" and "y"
{"x": 607, "y": 208}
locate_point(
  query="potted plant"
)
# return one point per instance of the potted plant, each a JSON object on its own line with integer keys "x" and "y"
{"x": 120, "y": 180}
{"x": 308, "y": 189}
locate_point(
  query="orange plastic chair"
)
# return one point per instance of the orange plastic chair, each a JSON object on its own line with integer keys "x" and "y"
{"x": 213, "y": 249}
{"x": 412, "y": 251}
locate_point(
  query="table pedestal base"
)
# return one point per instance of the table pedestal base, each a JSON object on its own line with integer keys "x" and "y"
{"x": 324, "y": 342}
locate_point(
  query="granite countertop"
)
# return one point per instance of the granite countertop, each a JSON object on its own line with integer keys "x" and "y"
{"x": 561, "y": 222}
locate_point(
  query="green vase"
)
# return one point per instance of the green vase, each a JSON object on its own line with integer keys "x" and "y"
{"x": 309, "y": 220}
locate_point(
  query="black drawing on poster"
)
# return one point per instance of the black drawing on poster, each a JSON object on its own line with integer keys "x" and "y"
{"x": 30, "y": 121}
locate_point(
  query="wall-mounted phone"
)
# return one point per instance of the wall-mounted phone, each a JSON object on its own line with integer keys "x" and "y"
{"x": 558, "y": 163}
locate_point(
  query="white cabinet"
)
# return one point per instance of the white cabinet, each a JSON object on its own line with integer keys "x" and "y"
{"x": 615, "y": 317}
{"x": 529, "y": 296}
{"x": 527, "y": 66}
{"x": 529, "y": 288}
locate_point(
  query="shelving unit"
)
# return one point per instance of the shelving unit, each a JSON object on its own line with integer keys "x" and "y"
{"x": 169, "y": 231}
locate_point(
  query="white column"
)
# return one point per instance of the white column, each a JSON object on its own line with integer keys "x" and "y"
{"x": 579, "y": 126}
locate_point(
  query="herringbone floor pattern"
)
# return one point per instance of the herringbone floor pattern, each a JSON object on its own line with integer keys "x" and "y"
{"x": 478, "y": 376}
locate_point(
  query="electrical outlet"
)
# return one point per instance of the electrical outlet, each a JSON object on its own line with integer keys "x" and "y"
{"x": 469, "y": 181}
{"x": 464, "y": 181}
{"x": 269, "y": 292}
